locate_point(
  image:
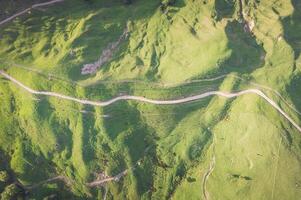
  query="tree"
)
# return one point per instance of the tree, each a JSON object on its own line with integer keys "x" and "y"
{"x": 166, "y": 3}
{"x": 10, "y": 192}
{"x": 4, "y": 177}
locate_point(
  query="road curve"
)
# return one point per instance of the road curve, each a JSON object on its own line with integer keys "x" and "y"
{"x": 28, "y": 9}
{"x": 114, "y": 178}
{"x": 157, "y": 102}
{"x": 168, "y": 85}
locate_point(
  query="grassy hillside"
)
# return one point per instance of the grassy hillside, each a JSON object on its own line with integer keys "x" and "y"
{"x": 215, "y": 148}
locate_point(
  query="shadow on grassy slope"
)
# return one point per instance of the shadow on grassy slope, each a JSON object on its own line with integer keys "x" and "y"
{"x": 61, "y": 42}
{"x": 224, "y": 9}
{"x": 134, "y": 130}
{"x": 246, "y": 53}
{"x": 132, "y": 137}
{"x": 294, "y": 90}
{"x": 105, "y": 26}
{"x": 292, "y": 28}
{"x": 89, "y": 138}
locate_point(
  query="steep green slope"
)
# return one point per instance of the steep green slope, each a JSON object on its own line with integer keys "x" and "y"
{"x": 214, "y": 148}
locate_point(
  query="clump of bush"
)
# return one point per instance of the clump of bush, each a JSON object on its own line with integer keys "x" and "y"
{"x": 10, "y": 192}
{"x": 4, "y": 177}
{"x": 166, "y": 3}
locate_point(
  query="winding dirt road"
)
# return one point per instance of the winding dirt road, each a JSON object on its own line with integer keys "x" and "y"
{"x": 28, "y": 9}
{"x": 113, "y": 178}
{"x": 166, "y": 85}
{"x": 157, "y": 102}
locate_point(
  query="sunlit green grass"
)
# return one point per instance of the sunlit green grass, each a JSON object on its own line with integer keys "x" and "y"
{"x": 257, "y": 151}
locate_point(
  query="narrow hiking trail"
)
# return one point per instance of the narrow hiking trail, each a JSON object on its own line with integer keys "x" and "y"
{"x": 156, "y": 102}
{"x": 206, "y": 177}
{"x": 57, "y": 178}
{"x": 38, "y": 5}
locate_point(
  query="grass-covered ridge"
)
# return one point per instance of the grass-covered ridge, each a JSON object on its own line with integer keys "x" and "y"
{"x": 213, "y": 148}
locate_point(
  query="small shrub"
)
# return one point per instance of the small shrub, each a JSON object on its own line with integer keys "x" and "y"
{"x": 4, "y": 177}
{"x": 10, "y": 192}
{"x": 166, "y": 3}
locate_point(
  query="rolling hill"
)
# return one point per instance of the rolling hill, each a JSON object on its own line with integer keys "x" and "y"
{"x": 97, "y": 50}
